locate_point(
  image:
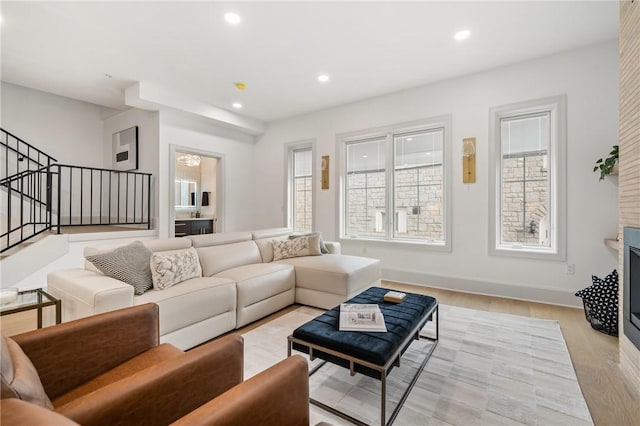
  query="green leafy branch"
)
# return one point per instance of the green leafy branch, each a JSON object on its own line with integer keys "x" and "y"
{"x": 606, "y": 166}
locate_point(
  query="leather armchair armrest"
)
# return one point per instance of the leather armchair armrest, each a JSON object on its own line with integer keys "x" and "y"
{"x": 75, "y": 352}
{"x": 166, "y": 391}
{"x": 276, "y": 396}
{"x": 17, "y": 412}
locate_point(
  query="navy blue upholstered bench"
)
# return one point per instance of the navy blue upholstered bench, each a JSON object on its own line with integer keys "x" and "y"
{"x": 371, "y": 354}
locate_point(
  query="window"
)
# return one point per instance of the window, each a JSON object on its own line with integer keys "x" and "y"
{"x": 301, "y": 188}
{"x": 528, "y": 145}
{"x": 399, "y": 169}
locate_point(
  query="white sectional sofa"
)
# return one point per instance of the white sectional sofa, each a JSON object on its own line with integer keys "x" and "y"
{"x": 240, "y": 284}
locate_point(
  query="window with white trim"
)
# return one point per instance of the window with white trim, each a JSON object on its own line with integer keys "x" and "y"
{"x": 301, "y": 189}
{"x": 400, "y": 169}
{"x": 528, "y": 157}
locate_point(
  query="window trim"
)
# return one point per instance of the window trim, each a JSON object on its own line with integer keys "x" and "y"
{"x": 289, "y": 150}
{"x": 343, "y": 139}
{"x": 557, "y": 106}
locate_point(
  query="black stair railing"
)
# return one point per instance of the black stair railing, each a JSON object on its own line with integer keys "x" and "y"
{"x": 38, "y": 194}
{"x": 94, "y": 196}
{"x": 27, "y": 211}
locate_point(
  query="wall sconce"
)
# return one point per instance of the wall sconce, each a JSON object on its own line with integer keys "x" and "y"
{"x": 324, "y": 178}
{"x": 533, "y": 228}
{"x": 469, "y": 160}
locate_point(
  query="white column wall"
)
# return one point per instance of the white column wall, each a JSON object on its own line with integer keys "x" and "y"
{"x": 588, "y": 77}
{"x": 237, "y": 180}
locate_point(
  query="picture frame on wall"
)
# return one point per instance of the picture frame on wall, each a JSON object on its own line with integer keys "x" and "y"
{"x": 125, "y": 149}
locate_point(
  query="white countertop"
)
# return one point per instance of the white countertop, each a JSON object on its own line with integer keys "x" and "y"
{"x": 194, "y": 218}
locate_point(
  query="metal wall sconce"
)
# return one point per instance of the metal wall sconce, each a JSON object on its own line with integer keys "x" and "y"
{"x": 533, "y": 228}
{"x": 469, "y": 160}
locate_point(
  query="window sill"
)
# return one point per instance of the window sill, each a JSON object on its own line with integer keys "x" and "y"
{"x": 528, "y": 253}
{"x": 423, "y": 244}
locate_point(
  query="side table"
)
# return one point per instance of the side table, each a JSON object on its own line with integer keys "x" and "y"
{"x": 33, "y": 299}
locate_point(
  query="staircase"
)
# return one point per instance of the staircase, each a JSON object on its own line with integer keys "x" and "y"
{"x": 39, "y": 195}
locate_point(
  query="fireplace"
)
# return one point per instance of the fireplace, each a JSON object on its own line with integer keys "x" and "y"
{"x": 631, "y": 284}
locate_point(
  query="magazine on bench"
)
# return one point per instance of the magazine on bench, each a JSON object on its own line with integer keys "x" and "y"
{"x": 361, "y": 317}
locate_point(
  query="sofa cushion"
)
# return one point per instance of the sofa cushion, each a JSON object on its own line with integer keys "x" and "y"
{"x": 208, "y": 240}
{"x": 19, "y": 377}
{"x": 332, "y": 273}
{"x": 129, "y": 264}
{"x": 170, "y": 269}
{"x": 191, "y": 301}
{"x": 260, "y": 281}
{"x": 215, "y": 259}
{"x": 300, "y": 246}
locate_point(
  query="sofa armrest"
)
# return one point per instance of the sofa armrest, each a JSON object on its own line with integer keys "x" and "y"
{"x": 85, "y": 293}
{"x": 276, "y": 396}
{"x": 75, "y": 352}
{"x": 166, "y": 391}
{"x": 17, "y": 412}
{"x": 333, "y": 247}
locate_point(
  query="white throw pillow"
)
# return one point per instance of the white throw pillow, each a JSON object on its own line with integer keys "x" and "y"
{"x": 300, "y": 246}
{"x": 170, "y": 269}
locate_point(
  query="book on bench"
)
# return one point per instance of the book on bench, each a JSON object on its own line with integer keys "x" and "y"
{"x": 361, "y": 317}
{"x": 394, "y": 296}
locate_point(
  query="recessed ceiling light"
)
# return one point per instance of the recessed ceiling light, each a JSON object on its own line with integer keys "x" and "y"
{"x": 232, "y": 18}
{"x": 409, "y": 139}
{"x": 323, "y": 78}
{"x": 365, "y": 156}
{"x": 462, "y": 35}
{"x": 236, "y": 105}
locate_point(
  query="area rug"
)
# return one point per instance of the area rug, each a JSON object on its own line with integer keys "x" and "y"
{"x": 488, "y": 369}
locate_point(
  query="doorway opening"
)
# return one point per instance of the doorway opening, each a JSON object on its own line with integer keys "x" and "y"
{"x": 196, "y": 191}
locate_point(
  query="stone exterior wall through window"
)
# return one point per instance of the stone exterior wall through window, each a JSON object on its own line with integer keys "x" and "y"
{"x": 525, "y": 198}
{"x": 303, "y": 215}
{"x": 419, "y": 211}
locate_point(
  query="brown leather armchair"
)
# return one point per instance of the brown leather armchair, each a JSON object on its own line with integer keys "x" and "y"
{"x": 110, "y": 369}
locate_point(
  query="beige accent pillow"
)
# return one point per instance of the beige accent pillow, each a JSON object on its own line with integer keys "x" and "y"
{"x": 301, "y": 246}
{"x": 170, "y": 269}
{"x": 20, "y": 377}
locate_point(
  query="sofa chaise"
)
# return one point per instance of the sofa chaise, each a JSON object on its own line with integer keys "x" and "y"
{"x": 240, "y": 282}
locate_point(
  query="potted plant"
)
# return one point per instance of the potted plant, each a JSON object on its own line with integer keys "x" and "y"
{"x": 607, "y": 165}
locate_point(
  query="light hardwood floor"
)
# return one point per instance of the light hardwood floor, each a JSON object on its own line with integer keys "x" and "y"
{"x": 611, "y": 399}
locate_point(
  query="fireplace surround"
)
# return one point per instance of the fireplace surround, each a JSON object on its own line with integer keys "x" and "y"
{"x": 631, "y": 280}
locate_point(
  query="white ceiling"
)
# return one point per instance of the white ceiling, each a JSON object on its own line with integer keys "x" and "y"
{"x": 279, "y": 49}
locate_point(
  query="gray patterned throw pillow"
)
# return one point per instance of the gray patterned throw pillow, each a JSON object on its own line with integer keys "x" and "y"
{"x": 170, "y": 269}
{"x": 129, "y": 264}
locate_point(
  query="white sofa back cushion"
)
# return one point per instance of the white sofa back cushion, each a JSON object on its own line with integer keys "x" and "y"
{"x": 208, "y": 240}
{"x": 216, "y": 259}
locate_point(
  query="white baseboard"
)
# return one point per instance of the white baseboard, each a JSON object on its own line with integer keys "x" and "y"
{"x": 510, "y": 291}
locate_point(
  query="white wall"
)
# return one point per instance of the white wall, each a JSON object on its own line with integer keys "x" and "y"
{"x": 588, "y": 77}
{"x": 64, "y": 128}
{"x": 236, "y": 150}
{"x": 148, "y": 123}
